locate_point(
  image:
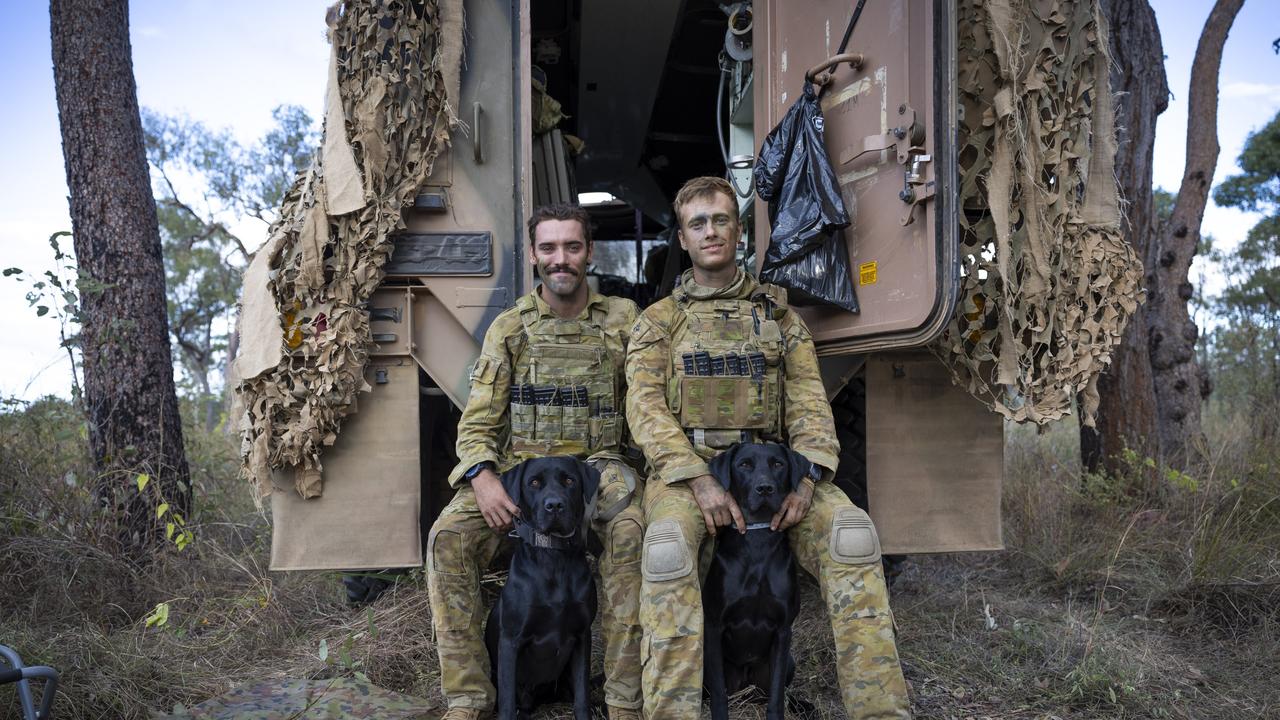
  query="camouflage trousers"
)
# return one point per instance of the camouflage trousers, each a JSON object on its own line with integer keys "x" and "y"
{"x": 857, "y": 600}
{"x": 461, "y": 546}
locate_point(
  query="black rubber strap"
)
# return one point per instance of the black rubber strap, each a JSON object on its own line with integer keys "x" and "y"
{"x": 9, "y": 676}
{"x": 848, "y": 31}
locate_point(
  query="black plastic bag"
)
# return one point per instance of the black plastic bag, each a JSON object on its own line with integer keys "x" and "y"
{"x": 806, "y": 254}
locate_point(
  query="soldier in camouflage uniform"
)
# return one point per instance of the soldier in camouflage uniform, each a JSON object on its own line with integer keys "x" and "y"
{"x": 724, "y": 360}
{"x": 548, "y": 381}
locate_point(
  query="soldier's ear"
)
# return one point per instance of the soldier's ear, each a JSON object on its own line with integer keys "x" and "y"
{"x": 590, "y": 479}
{"x": 513, "y": 483}
{"x": 722, "y": 466}
{"x": 799, "y": 468}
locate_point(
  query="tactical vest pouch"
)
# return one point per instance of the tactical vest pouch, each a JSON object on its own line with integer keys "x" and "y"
{"x": 574, "y": 423}
{"x": 731, "y": 403}
{"x": 605, "y": 431}
{"x": 547, "y": 422}
{"x": 522, "y": 420}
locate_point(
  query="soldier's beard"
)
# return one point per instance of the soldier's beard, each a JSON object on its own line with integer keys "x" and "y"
{"x": 564, "y": 287}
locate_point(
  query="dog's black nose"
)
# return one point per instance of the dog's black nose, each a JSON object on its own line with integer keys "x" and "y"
{"x": 554, "y": 505}
{"x": 765, "y": 489}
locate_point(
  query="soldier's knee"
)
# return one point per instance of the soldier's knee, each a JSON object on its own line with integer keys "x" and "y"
{"x": 446, "y": 550}
{"x": 853, "y": 537}
{"x": 626, "y": 538}
{"x": 667, "y": 555}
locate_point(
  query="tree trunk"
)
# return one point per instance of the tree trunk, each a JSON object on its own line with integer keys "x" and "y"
{"x": 1172, "y": 333}
{"x": 132, "y": 410}
{"x": 1127, "y": 408}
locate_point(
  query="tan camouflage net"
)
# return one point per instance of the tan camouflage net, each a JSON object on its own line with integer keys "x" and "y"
{"x": 387, "y": 120}
{"x": 1048, "y": 282}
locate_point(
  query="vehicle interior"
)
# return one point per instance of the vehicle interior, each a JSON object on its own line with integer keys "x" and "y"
{"x": 630, "y": 100}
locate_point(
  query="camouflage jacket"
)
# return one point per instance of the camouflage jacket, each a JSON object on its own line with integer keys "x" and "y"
{"x": 484, "y": 432}
{"x": 805, "y": 414}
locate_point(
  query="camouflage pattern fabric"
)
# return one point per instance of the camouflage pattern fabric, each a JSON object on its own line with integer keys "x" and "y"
{"x": 1048, "y": 282}
{"x": 856, "y": 596}
{"x": 314, "y": 699}
{"x": 871, "y": 681}
{"x": 664, "y": 331}
{"x": 388, "y": 119}
{"x": 485, "y": 430}
{"x": 461, "y": 546}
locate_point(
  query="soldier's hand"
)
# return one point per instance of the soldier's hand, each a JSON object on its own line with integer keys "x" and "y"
{"x": 494, "y": 502}
{"x": 717, "y": 505}
{"x": 793, "y": 509}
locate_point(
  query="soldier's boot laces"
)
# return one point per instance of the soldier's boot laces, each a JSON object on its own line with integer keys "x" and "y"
{"x": 463, "y": 713}
{"x": 617, "y": 713}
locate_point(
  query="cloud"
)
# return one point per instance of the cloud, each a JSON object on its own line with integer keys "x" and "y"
{"x": 148, "y": 31}
{"x": 1243, "y": 89}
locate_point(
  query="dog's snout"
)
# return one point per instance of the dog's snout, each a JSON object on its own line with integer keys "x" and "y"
{"x": 554, "y": 504}
{"x": 766, "y": 489}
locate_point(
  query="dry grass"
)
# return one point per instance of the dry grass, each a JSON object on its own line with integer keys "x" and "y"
{"x": 1147, "y": 595}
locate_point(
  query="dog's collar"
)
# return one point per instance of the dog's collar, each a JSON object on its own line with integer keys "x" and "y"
{"x": 760, "y": 526}
{"x": 525, "y": 532}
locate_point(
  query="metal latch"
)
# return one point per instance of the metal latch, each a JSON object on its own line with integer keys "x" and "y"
{"x": 915, "y": 189}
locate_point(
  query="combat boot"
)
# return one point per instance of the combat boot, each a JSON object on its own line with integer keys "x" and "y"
{"x": 465, "y": 713}
{"x": 617, "y": 713}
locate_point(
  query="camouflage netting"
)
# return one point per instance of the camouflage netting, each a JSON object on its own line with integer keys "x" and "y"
{"x": 387, "y": 119}
{"x": 1048, "y": 282}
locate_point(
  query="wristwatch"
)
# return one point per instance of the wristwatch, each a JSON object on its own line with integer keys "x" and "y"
{"x": 814, "y": 473}
{"x": 474, "y": 470}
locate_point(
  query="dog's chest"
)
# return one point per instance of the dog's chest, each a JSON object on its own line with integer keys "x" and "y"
{"x": 554, "y": 600}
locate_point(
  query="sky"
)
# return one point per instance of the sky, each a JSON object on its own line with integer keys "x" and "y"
{"x": 228, "y": 63}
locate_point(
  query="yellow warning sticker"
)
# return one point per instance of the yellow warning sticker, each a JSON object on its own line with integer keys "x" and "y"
{"x": 867, "y": 273}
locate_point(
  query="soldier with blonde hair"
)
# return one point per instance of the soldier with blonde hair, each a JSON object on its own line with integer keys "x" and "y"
{"x": 725, "y": 360}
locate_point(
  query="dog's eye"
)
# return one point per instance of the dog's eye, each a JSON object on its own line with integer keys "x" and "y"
{"x": 746, "y": 464}
{"x": 775, "y": 464}
{"x": 567, "y": 481}
{"x": 536, "y": 483}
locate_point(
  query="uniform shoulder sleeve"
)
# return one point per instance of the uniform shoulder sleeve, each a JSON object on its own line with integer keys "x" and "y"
{"x": 502, "y": 331}
{"x": 653, "y": 324}
{"x": 482, "y": 430}
{"x": 621, "y": 317}
{"x": 793, "y": 327}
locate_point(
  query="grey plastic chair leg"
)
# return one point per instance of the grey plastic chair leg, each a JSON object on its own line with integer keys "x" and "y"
{"x": 22, "y": 675}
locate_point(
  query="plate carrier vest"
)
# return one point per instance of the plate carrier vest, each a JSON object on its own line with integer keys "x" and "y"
{"x": 564, "y": 395}
{"x": 725, "y": 381}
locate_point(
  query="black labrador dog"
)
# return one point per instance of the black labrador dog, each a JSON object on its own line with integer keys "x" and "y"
{"x": 750, "y": 597}
{"x": 539, "y": 631}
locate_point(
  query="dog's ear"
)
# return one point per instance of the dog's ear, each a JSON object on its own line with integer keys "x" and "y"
{"x": 590, "y": 479}
{"x": 513, "y": 483}
{"x": 799, "y": 468}
{"x": 722, "y": 465}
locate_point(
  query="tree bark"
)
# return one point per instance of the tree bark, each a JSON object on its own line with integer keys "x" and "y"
{"x": 1172, "y": 333}
{"x": 134, "y": 426}
{"x": 1127, "y": 408}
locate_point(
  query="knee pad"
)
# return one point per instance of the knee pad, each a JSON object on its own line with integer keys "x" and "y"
{"x": 853, "y": 537}
{"x": 666, "y": 552}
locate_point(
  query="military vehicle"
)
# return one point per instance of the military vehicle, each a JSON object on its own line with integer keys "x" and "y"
{"x": 627, "y": 100}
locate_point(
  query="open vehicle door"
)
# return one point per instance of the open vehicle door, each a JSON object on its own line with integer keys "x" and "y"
{"x": 890, "y": 131}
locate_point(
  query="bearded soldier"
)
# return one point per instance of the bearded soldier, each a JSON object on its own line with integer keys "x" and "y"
{"x": 724, "y": 360}
{"x": 548, "y": 382}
